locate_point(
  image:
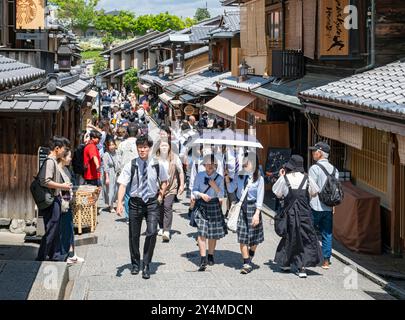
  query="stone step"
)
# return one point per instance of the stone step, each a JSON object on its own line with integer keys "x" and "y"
{"x": 32, "y": 280}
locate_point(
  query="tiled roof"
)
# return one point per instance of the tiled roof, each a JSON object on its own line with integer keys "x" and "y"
{"x": 199, "y": 33}
{"x": 250, "y": 84}
{"x": 205, "y": 81}
{"x": 197, "y": 84}
{"x": 381, "y": 89}
{"x": 33, "y": 104}
{"x": 132, "y": 42}
{"x": 152, "y": 77}
{"x": 13, "y": 73}
{"x": 288, "y": 91}
{"x": 144, "y": 42}
{"x": 75, "y": 89}
{"x": 188, "y": 55}
{"x": 230, "y": 24}
{"x": 232, "y": 20}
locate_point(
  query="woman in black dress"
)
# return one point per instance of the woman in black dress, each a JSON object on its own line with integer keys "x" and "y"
{"x": 299, "y": 246}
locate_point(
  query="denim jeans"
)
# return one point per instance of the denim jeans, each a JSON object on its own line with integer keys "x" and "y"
{"x": 323, "y": 221}
{"x": 66, "y": 232}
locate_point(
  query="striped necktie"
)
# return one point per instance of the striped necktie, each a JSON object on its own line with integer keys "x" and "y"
{"x": 236, "y": 164}
{"x": 144, "y": 183}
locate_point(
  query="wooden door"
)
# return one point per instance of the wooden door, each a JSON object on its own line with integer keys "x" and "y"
{"x": 272, "y": 134}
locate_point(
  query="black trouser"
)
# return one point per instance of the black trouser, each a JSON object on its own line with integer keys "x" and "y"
{"x": 138, "y": 210}
{"x": 166, "y": 213}
{"x": 50, "y": 247}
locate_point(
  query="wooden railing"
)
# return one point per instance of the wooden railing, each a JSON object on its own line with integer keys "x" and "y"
{"x": 37, "y": 58}
{"x": 287, "y": 64}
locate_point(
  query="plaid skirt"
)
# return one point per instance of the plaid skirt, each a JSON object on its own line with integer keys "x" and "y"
{"x": 212, "y": 225}
{"x": 246, "y": 233}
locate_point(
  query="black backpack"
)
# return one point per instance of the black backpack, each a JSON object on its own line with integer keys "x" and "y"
{"x": 332, "y": 192}
{"x": 78, "y": 160}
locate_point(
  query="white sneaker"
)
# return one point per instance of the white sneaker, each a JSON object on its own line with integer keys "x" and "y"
{"x": 160, "y": 233}
{"x": 285, "y": 269}
{"x": 247, "y": 268}
{"x": 74, "y": 259}
{"x": 166, "y": 236}
{"x": 302, "y": 273}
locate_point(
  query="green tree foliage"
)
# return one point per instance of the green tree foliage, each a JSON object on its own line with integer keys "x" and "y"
{"x": 79, "y": 13}
{"x": 159, "y": 22}
{"x": 121, "y": 24}
{"x": 189, "y": 22}
{"x": 126, "y": 23}
{"x": 99, "y": 66}
{"x": 202, "y": 14}
{"x": 131, "y": 80}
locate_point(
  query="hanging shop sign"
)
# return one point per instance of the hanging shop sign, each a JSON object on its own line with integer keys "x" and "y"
{"x": 189, "y": 110}
{"x": 30, "y": 14}
{"x": 333, "y": 33}
{"x": 178, "y": 60}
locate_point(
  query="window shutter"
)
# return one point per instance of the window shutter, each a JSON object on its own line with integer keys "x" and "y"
{"x": 328, "y": 128}
{"x": 252, "y": 41}
{"x": 261, "y": 27}
{"x": 351, "y": 134}
{"x": 294, "y": 24}
{"x": 309, "y": 22}
{"x": 244, "y": 28}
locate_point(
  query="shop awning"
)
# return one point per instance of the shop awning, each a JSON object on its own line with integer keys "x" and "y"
{"x": 187, "y": 97}
{"x": 286, "y": 93}
{"x": 229, "y": 103}
{"x": 176, "y": 103}
{"x": 92, "y": 93}
{"x": 165, "y": 97}
{"x": 356, "y": 118}
{"x": 144, "y": 87}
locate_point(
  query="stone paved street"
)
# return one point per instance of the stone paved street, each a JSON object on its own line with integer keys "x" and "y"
{"x": 106, "y": 273}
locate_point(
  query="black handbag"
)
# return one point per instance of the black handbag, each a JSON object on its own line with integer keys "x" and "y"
{"x": 43, "y": 197}
{"x": 198, "y": 209}
{"x": 280, "y": 223}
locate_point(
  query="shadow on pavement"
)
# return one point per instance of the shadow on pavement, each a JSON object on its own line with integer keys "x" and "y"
{"x": 277, "y": 269}
{"x": 228, "y": 258}
{"x": 154, "y": 266}
{"x": 18, "y": 271}
{"x": 379, "y": 295}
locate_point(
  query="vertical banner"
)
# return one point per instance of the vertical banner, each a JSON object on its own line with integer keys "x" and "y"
{"x": 333, "y": 34}
{"x": 178, "y": 60}
{"x": 30, "y": 14}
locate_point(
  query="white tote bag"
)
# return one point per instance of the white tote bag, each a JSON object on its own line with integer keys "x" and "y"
{"x": 236, "y": 208}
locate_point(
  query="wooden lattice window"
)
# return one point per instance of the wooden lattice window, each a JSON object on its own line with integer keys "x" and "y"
{"x": 370, "y": 165}
{"x": 274, "y": 27}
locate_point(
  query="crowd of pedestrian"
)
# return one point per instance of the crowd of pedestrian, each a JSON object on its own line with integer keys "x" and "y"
{"x": 141, "y": 179}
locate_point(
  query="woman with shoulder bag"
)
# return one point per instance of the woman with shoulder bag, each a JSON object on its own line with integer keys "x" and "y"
{"x": 299, "y": 246}
{"x": 175, "y": 186}
{"x": 208, "y": 189}
{"x": 249, "y": 189}
{"x": 66, "y": 222}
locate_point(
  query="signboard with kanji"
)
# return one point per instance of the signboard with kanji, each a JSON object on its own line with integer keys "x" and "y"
{"x": 30, "y": 14}
{"x": 334, "y": 36}
{"x": 178, "y": 60}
